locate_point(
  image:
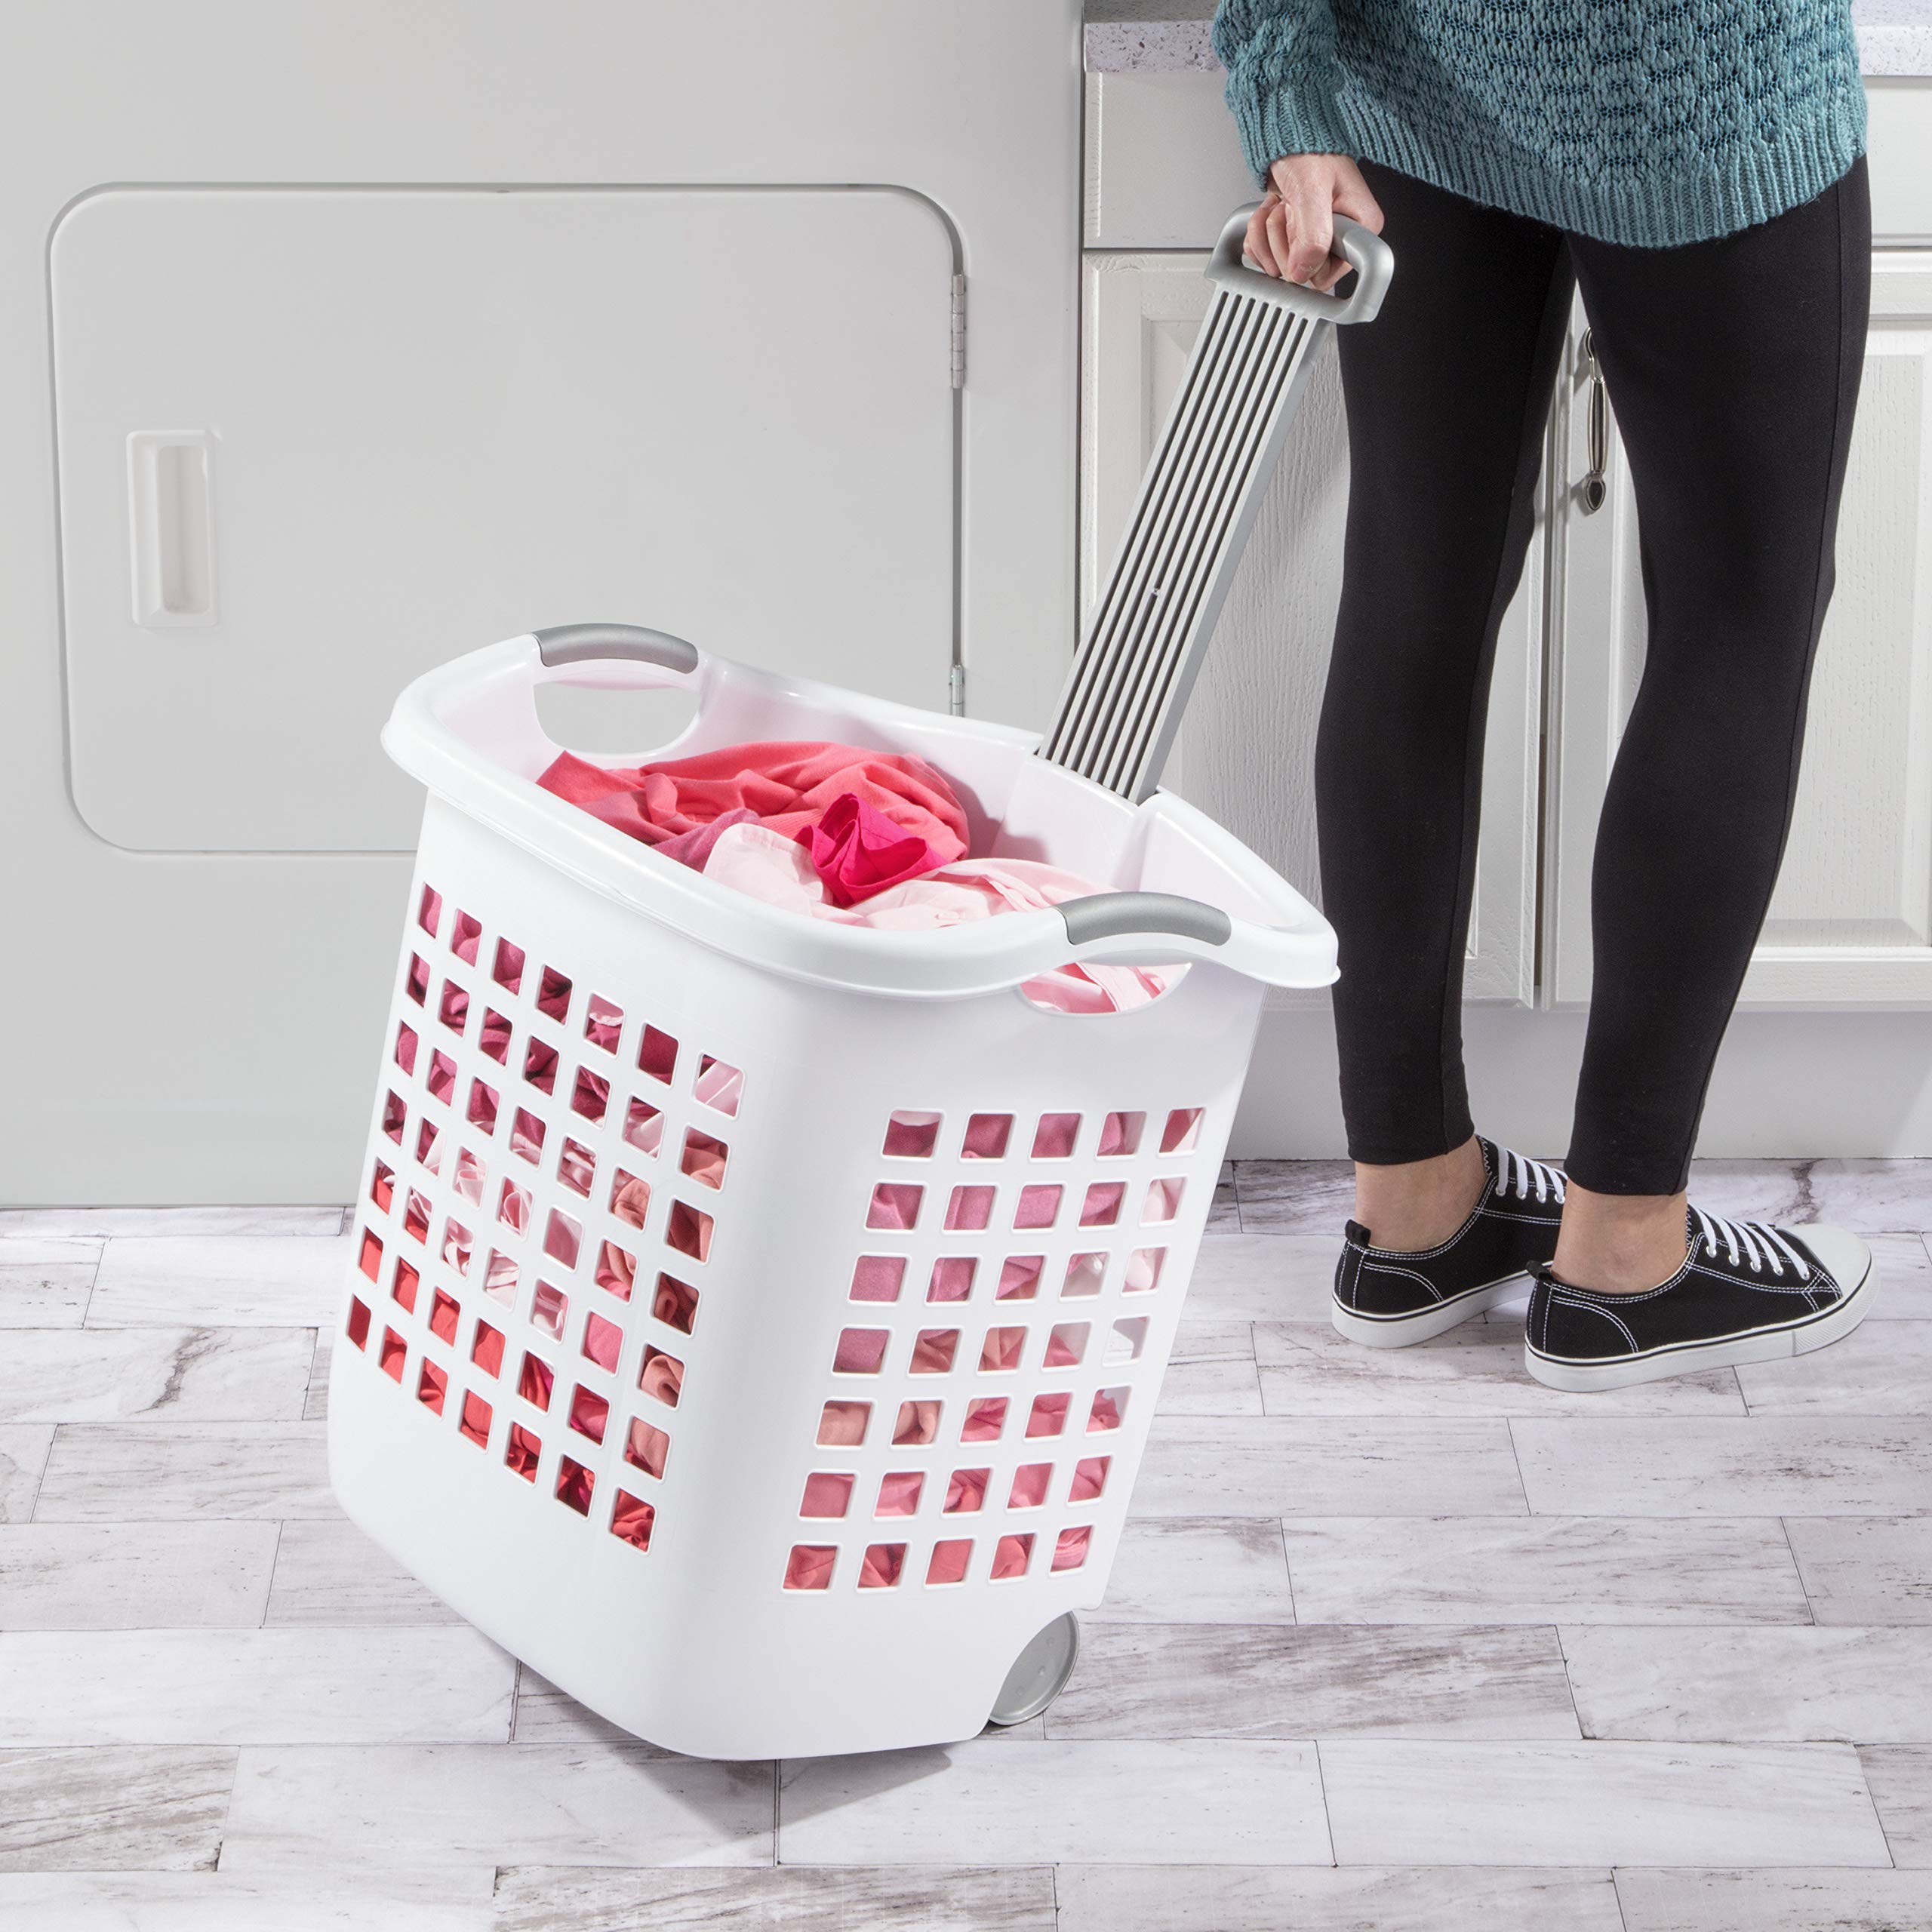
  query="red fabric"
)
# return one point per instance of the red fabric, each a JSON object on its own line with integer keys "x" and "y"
{"x": 788, "y": 784}
{"x": 857, "y": 850}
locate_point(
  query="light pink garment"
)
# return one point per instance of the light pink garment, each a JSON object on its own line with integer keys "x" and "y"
{"x": 719, "y": 1086}
{"x": 754, "y": 860}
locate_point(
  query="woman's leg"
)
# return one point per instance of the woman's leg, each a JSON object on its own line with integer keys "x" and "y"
{"x": 1448, "y": 392}
{"x": 1732, "y": 368}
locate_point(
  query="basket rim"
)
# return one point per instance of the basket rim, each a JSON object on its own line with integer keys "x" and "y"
{"x": 435, "y": 734}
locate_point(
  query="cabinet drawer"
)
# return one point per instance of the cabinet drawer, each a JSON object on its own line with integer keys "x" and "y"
{"x": 1899, "y": 139}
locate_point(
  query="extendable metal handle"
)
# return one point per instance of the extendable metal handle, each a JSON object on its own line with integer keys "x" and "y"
{"x": 1372, "y": 258}
{"x": 578, "y": 644}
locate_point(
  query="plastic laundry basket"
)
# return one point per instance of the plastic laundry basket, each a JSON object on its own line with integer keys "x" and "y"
{"x": 756, "y": 1322}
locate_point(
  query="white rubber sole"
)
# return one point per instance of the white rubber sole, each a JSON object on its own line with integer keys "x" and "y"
{"x": 1403, "y": 1331}
{"x": 1832, "y": 1324}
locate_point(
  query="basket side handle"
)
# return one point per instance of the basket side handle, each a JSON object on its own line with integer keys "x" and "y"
{"x": 1109, "y": 914}
{"x": 579, "y": 643}
{"x": 1154, "y": 928}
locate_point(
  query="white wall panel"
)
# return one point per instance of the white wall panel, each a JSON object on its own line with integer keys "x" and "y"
{"x": 189, "y": 1027}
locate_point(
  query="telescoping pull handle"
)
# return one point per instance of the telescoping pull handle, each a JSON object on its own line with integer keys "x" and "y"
{"x": 1372, "y": 258}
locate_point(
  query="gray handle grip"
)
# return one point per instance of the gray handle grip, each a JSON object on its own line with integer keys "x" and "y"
{"x": 1372, "y": 258}
{"x": 577, "y": 644}
{"x": 1110, "y": 915}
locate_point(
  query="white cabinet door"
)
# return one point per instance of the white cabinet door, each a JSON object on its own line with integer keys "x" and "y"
{"x": 312, "y": 441}
{"x": 1246, "y": 751}
{"x": 1851, "y": 923}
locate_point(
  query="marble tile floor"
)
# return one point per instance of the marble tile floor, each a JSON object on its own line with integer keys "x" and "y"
{"x": 1395, "y": 1644}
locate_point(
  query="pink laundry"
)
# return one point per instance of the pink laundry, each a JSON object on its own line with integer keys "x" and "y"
{"x": 788, "y": 785}
{"x": 841, "y": 832}
{"x": 758, "y": 862}
{"x": 857, "y": 852}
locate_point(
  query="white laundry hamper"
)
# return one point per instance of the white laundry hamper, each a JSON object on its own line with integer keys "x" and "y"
{"x": 756, "y": 1322}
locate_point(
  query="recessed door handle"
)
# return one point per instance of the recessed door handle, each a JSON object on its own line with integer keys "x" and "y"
{"x": 170, "y": 527}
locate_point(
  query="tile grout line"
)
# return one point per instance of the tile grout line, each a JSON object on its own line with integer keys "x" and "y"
{"x": 40, "y": 1475}
{"x": 228, "y": 1810}
{"x": 1878, "y": 1816}
{"x": 1327, "y": 1815}
{"x": 1569, "y": 1682}
{"x": 1617, "y": 1892}
{"x": 274, "y": 1563}
{"x": 93, "y": 1283}
{"x": 1798, "y": 1571}
{"x": 1288, "y": 1571}
{"x": 1516, "y": 1456}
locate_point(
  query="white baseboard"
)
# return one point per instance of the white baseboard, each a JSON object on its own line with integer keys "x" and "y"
{"x": 1793, "y": 1085}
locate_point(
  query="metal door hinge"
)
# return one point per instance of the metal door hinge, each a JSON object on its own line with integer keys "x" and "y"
{"x": 959, "y": 331}
{"x": 955, "y": 691}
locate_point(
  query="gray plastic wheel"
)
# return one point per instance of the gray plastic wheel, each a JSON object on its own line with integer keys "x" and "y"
{"x": 1039, "y": 1673}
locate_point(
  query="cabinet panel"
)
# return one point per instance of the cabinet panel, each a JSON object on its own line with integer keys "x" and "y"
{"x": 1850, "y": 923}
{"x": 1245, "y": 752}
{"x": 312, "y": 441}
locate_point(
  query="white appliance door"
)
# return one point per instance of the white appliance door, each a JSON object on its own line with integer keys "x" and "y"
{"x": 312, "y": 441}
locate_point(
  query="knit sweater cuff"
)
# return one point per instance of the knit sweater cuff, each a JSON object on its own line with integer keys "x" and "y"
{"x": 1275, "y": 120}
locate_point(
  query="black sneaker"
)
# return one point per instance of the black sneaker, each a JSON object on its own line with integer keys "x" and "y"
{"x": 1388, "y": 1297}
{"x": 1747, "y": 1292}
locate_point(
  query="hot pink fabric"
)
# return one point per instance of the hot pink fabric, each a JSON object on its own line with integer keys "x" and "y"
{"x": 858, "y": 851}
{"x": 789, "y": 784}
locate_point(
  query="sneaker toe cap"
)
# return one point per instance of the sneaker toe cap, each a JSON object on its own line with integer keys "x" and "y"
{"x": 1838, "y": 1251}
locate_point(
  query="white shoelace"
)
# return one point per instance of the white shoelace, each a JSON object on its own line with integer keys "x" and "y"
{"x": 1519, "y": 1174}
{"x": 1758, "y": 1240}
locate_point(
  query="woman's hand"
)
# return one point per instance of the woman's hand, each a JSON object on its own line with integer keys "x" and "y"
{"x": 1291, "y": 233}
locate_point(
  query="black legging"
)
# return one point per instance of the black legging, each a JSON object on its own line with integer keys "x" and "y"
{"x": 1733, "y": 369}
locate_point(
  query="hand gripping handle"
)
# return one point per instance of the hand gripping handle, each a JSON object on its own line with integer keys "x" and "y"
{"x": 1372, "y": 258}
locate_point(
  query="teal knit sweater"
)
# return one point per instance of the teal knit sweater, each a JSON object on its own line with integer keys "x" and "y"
{"x": 1651, "y": 121}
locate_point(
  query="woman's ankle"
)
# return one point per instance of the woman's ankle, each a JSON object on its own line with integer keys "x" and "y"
{"x": 1419, "y": 1204}
{"x": 1619, "y": 1244}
